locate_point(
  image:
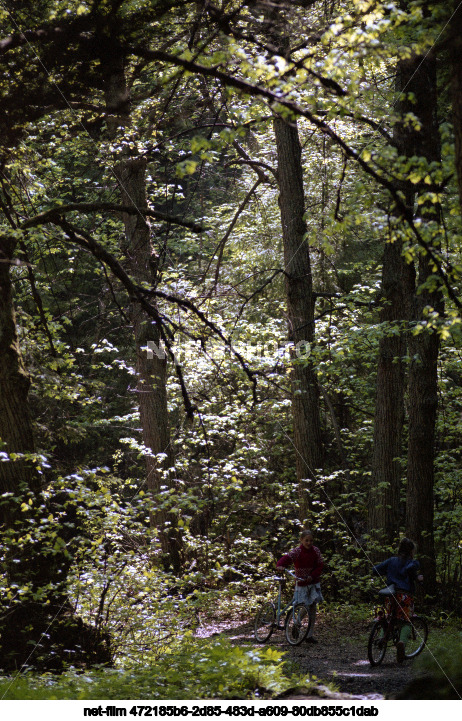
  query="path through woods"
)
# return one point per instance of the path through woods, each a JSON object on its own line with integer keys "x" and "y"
{"x": 339, "y": 657}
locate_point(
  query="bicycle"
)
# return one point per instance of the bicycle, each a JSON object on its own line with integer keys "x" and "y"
{"x": 387, "y": 628}
{"x": 297, "y": 622}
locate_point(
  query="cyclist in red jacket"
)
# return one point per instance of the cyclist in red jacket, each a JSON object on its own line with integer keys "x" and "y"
{"x": 308, "y": 565}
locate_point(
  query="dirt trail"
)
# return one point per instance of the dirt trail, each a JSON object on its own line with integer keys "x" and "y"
{"x": 340, "y": 656}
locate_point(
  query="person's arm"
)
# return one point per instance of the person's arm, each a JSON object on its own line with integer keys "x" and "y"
{"x": 319, "y": 565}
{"x": 285, "y": 561}
{"x": 380, "y": 568}
{"x": 413, "y": 571}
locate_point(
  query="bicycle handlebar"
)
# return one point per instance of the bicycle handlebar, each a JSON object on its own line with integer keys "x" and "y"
{"x": 290, "y": 573}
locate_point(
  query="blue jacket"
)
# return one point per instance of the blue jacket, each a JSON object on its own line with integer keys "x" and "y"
{"x": 400, "y": 571}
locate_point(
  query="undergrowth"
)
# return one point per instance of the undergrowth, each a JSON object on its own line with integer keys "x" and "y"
{"x": 441, "y": 666}
{"x": 200, "y": 670}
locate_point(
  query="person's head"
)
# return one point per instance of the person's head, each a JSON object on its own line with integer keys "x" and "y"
{"x": 406, "y": 547}
{"x": 306, "y": 538}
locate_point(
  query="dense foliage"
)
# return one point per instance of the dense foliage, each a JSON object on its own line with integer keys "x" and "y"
{"x": 198, "y": 671}
{"x": 144, "y": 539}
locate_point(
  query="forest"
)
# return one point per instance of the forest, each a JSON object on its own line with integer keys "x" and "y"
{"x": 230, "y": 309}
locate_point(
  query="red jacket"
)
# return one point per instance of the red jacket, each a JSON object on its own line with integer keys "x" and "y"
{"x": 307, "y": 562}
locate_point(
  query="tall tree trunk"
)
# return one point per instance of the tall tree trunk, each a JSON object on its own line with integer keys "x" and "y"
{"x": 150, "y": 368}
{"x": 389, "y": 408}
{"x": 300, "y": 307}
{"x": 416, "y": 83}
{"x": 455, "y": 48}
{"x": 15, "y": 422}
{"x": 398, "y": 288}
{"x": 300, "y": 300}
{"x": 37, "y": 626}
{"x": 424, "y": 346}
{"x": 423, "y": 403}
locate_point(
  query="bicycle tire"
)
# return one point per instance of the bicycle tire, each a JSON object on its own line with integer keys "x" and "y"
{"x": 377, "y": 644}
{"x": 297, "y": 624}
{"x": 418, "y": 638}
{"x": 264, "y": 621}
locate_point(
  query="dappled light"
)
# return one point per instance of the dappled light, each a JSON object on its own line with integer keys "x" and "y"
{"x": 230, "y": 348}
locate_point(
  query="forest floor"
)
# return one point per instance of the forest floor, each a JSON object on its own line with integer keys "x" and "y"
{"x": 339, "y": 657}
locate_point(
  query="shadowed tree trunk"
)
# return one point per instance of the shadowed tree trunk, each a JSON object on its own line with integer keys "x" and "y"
{"x": 15, "y": 422}
{"x": 416, "y": 83}
{"x": 300, "y": 300}
{"x": 455, "y": 49}
{"x": 389, "y": 408}
{"x": 423, "y": 346}
{"x": 300, "y": 307}
{"x": 398, "y": 288}
{"x": 150, "y": 368}
{"x": 37, "y": 625}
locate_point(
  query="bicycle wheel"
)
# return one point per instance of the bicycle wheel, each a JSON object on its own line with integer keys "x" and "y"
{"x": 418, "y": 637}
{"x": 297, "y": 624}
{"x": 377, "y": 645}
{"x": 264, "y": 621}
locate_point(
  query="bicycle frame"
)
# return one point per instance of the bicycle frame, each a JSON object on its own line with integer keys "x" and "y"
{"x": 279, "y": 610}
{"x": 387, "y": 627}
{"x": 297, "y": 620}
{"x": 389, "y": 617}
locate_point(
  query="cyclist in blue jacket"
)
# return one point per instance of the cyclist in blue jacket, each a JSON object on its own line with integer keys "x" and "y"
{"x": 402, "y": 571}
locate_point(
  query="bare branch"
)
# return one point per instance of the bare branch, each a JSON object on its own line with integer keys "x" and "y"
{"x": 138, "y": 294}
{"x": 220, "y": 247}
{"x": 50, "y": 215}
{"x": 276, "y": 100}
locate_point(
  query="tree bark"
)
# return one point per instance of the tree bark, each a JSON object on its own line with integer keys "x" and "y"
{"x": 455, "y": 49}
{"x": 389, "y": 408}
{"x": 300, "y": 300}
{"x": 15, "y": 422}
{"x": 398, "y": 288}
{"x": 416, "y": 83}
{"x": 150, "y": 368}
{"x": 300, "y": 308}
{"x": 424, "y": 346}
{"x": 43, "y": 633}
